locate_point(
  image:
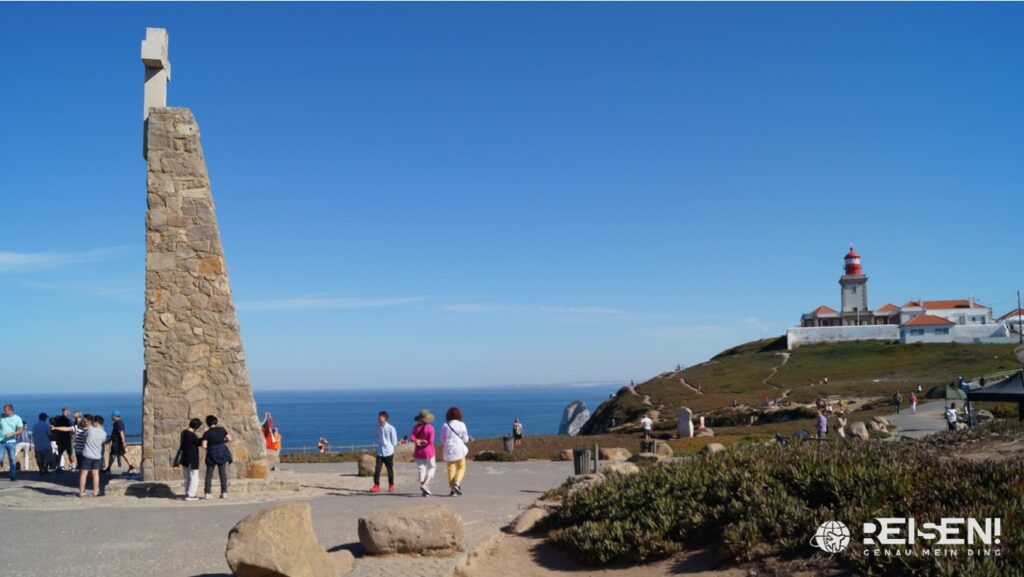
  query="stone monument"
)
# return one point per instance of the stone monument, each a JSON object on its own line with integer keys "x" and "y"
{"x": 195, "y": 363}
{"x": 684, "y": 428}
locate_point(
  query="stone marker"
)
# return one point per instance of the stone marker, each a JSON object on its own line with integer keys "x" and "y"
{"x": 367, "y": 464}
{"x": 685, "y": 425}
{"x": 574, "y": 417}
{"x": 277, "y": 542}
{"x": 422, "y": 529}
{"x": 194, "y": 359}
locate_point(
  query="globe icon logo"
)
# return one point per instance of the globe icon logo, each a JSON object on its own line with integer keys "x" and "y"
{"x": 831, "y": 537}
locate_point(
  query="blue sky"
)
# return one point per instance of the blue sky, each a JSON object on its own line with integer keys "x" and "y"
{"x": 467, "y": 194}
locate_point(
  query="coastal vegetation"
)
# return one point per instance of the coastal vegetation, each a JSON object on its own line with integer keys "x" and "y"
{"x": 756, "y": 501}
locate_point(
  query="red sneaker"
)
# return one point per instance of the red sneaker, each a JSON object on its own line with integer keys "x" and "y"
{"x": 375, "y": 489}
{"x": 391, "y": 488}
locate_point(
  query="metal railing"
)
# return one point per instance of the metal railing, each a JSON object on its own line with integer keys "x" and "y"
{"x": 332, "y": 449}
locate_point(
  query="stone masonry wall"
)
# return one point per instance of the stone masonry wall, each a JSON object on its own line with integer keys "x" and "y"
{"x": 195, "y": 363}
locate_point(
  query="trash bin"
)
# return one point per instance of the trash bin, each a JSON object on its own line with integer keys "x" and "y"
{"x": 507, "y": 442}
{"x": 581, "y": 461}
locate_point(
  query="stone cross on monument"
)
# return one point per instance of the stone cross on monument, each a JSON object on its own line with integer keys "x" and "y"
{"x": 158, "y": 70}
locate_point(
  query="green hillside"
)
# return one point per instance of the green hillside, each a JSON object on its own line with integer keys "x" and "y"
{"x": 750, "y": 372}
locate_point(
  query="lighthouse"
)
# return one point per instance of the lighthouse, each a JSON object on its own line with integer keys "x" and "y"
{"x": 854, "y": 287}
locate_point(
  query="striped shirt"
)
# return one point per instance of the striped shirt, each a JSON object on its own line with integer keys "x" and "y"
{"x": 79, "y": 439}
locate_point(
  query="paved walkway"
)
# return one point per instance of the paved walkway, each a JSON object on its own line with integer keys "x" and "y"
{"x": 45, "y": 530}
{"x": 930, "y": 418}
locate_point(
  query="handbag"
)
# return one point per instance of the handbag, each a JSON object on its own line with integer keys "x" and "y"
{"x": 177, "y": 458}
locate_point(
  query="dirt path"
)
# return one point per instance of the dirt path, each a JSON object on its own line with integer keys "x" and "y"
{"x": 775, "y": 371}
{"x": 689, "y": 386}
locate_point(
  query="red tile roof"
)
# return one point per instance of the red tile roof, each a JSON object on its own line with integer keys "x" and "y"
{"x": 888, "y": 308}
{"x": 911, "y": 304}
{"x": 951, "y": 304}
{"x": 823, "y": 310}
{"x": 927, "y": 320}
{"x": 1014, "y": 314}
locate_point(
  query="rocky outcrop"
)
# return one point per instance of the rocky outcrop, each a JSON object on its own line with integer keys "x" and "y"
{"x": 277, "y": 542}
{"x": 426, "y": 529}
{"x": 622, "y": 468}
{"x": 528, "y": 520}
{"x": 663, "y": 450}
{"x": 645, "y": 458}
{"x": 574, "y": 417}
{"x": 712, "y": 448}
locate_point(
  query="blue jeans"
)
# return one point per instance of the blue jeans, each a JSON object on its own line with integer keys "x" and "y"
{"x": 9, "y": 450}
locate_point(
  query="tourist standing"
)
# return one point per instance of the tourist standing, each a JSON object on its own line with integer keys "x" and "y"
{"x": 268, "y": 430}
{"x": 215, "y": 440}
{"x": 81, "y": 431}
{"x": 118, "y": 443}
{"x": 455, "y": 447}
{"x": 913, "y": 403}
{"x": 11, "y": 426}
{"x": 897, "y": 399}
{"x": 92, "y": 457}
{"x": 422, "y": 436}
{"x": 517, "y": 432}
{"x": 951, "y": 417}
{"x": 62, "y": 436}
{"x": 841, "y": 424}
{"x": 387, "y": 439}
{"x": 822, "y": 425}
{"x": 41, "y": 439}
{"x": 72, "y": 430}
{"x": 323, "y": 446}
{"x": 189, "y": 447}
{"x": 24, "y": 445}
{"x": 648, "y": 426}
{"x": 276, "y": 438}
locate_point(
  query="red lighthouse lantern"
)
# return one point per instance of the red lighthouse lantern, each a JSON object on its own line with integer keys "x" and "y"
{"x": 852, "y": 261}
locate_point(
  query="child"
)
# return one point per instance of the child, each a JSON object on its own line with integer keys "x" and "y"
{"x": 92, "y": 456}
{"x": 387, "y": 438}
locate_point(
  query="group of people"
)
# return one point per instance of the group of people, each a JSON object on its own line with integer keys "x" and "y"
{"x": 455, "y": 441}
{"x": 897, "y": 400}
{"x": 69, "y": 441}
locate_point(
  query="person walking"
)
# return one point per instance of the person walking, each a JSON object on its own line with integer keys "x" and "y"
{"x": 422, "y": 437}
{"x": 24, "y": 445}
{"x": 11, "y": 426}
{"x": 517, "y": 432}
{"x": 189, "y": 447}
{"x": 455, "y": 446}
{"x": 897, "y": 399}
{"x": 215, "y": 440}
{"x": 951, "y": 417}
{"x": 118, "y": 443}
{"x": 92, "y": 457}
{"x": 41, "y": 440}
{"x": 387, "y": 439}
{"x": 913, "y": 403}
{"x": 648, "y": 426}
{"x": 822, "y": 425}
{"x": 841, "y": 424}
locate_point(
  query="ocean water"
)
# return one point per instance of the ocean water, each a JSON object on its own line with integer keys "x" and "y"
{"x": 348, "y": 417}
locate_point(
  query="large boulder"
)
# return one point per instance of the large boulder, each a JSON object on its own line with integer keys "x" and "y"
{"x": 421, "y": 529}
{"x": 705, "y": 432}
{"x": 366, "y": 465}
{"x": 858, "y": 429}
{"x": 278, "y": 542}
{"x": 614, "y": 454}
{"x": 573, "y": 418}
{"x": 403, "y": 453}
{"x": 585, "y": 483}
{"x": 565, "y": 455}
{"x": 883, "y": 421}
{"x": 663, "y": 450}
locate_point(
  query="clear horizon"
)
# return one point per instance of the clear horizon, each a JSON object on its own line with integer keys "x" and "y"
{"x": 465, "y": 195}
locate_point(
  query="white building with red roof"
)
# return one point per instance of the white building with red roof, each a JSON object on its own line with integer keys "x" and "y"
{"x": 951, "y": 320}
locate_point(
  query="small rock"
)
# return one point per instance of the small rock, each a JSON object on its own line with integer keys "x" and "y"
{"x": 882, "y": 421}
{"x": 622, "y": 468}
{"x": 664, "y": 450}
{"x": 486, "y": 456}
{"x": 614, "y": 454}
{"x": 645, "y": 458}
{"x": 712, "y": 448}
{"x": 421, "y": 529}
{"x": 705, "y": 432}
{"x": 343, "y": 560}
{"x": 565, "y": 455}
{"x": 529, "y": 519}
{"x": 586, "y": 482}
{"x": 875, "y": 426}
{"x": 277, "y": 541}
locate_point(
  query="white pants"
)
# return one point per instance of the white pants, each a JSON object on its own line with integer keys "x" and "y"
{"x": 191, "y": 477}
{"x": 27, "y": 447}
{"x": 426, "y": 468}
